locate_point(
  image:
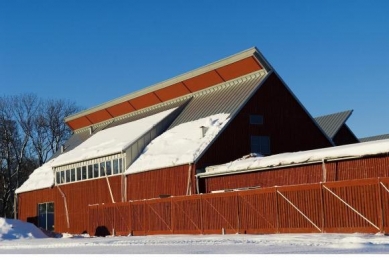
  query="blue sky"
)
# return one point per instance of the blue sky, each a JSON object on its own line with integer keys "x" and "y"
{"x": 334, "y": 55}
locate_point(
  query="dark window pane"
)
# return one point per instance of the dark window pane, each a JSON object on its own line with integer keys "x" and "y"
{"x": 73, "y": 174}
{"x": 95, "y": 170}
{"x": 67, "y": 175}
{"x": 115, "y": 166}
{"x": 102, "y": 169}
{"x": 62, "y": 177}
{"x": 256, "y": 119}
{"x": 90, "y": 171}
{"x": 84, "y": 173}
{"x": 108, "y": 168}
{"x": 79, "y": 174}
{"x": 58, "y": 177}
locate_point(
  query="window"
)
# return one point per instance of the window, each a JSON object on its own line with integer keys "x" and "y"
{"x": 79, "y": 173}
{"x": 108, "y": 168}
{"x": 58, "y": 177}
{"x": 256, "y": 120}
{"x": 46, "y": 215}
{"x": 95, "y": 170}
{"x": 84, "y": 172}
{"x": 260, "y": 144}
{"x": 67, "y": 175}
{"x": 90, "y": 171}
{"x": 115, "y": 166}
{"x": 73, "y": 174}
{"x": 62, "y": 177}
{"x": 102, "y": 169}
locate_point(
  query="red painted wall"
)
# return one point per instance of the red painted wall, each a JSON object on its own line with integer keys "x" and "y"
{"x": 78, "y": 196}
{"x": 362, "y": 168}
{"x": 286, "y": 122}
{"x": 168, "y": 181}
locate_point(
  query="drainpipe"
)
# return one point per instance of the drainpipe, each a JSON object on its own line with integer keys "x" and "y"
{"x": 197, "y": 185}
{"x": 15, "y": 206}
{"x": 189, "y": 184}
{"x": 324, "y": 170}
{"x": 109, "y": 188}
{"x": 66, "y": 206}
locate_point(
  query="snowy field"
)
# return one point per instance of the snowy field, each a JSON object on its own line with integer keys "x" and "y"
{"x": 18, "y": 237}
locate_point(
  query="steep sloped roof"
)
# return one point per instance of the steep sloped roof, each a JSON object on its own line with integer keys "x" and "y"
{"x": 183, "y": 142}
{"x": 332, "y": 123}
{"x": 374, "y": 138}
{"x": 232, "y": 67}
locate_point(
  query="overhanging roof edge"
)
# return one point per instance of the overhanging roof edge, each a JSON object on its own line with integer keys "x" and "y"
{"x": 212, "y": 66}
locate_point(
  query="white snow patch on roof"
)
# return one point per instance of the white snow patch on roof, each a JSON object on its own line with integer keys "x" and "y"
{"x": 112, "y": 140}
{"x": 40, "y": 178}
{"x": 105, "y": 142}
{"x": 16, "y": 229}
{"x": 179, "y": 145}
{"x": 331, "y": 153}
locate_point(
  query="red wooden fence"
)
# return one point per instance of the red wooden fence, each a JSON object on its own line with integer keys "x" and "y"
{"x": 345, "y": 206}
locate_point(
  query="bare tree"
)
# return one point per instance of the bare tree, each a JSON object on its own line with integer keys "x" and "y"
{"x": 31, "y": 131}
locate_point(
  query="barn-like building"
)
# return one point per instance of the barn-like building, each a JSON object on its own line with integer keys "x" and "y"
{"x": 163, "y": 140}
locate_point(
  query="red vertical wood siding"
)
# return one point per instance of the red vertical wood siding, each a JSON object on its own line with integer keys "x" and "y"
{"x": 299, "y": 209}
{"x": 258, "y": 211}
{"x": 167, "y": 181}
{"x": 345, "y": 136}
{"x": 361, "y": 168}
{"x": 285, "y": 121}
{"x": 78, "y": 196}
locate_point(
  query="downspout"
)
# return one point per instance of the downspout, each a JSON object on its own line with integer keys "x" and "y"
{"x": 66, "y": 206}
{"x": 109, "y": 188}
{"x": 324, "y": 170}
{"x": 197, "y": 185}
{"x": 15, "y": 205}
{"x": 189, "y": 184}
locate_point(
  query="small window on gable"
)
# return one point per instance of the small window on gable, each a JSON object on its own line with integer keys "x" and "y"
{"x": 256, "y": 120}
{"x": 260, "y": 144}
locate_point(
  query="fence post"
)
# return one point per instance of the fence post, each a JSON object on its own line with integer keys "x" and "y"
{"x": 277, "y": 210}
{"x": 322, "y": 207}
{"x": 238, "y": 212}
{"x": 172, "y": 219}
{"x": 201, "y": 214}
{"x": 380, "y": 207}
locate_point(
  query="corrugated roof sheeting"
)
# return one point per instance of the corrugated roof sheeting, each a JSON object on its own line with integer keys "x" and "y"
{"x": 226, "y": 98}
{"x": 75, "y": 140}
{"x": 374, "y": 138}
{"x": 333, "y": 122}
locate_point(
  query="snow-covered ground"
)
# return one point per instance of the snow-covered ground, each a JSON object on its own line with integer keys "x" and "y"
{"x": 17, "y": 237}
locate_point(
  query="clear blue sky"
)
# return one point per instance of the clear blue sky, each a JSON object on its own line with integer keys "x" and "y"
{"x": 334, "y": 55}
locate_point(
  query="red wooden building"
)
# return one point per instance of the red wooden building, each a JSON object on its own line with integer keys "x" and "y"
{"x": 159, "y": 141}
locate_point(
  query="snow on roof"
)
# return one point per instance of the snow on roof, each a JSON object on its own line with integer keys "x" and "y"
{"x": 310, "y": 156}
{"x": 179, "y": 145}
{"x": 40, "y": 178}
{"x": 111, "y": 140}
{"x": 105, "y": 142}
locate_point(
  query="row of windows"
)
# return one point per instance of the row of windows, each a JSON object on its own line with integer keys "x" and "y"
{"x": 90, "y": 171}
